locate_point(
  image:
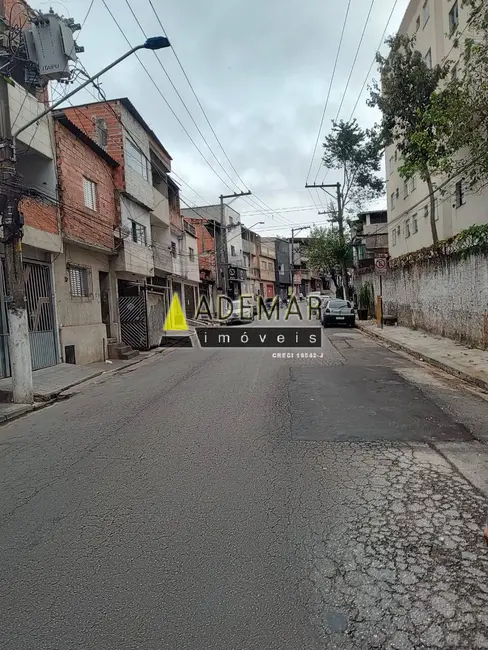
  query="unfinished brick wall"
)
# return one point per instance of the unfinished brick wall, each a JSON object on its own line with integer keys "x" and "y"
{"x": 39, "y": 215}
{"x": 85, "y": 118}
{"x": 76, "y": 160}
{"x": 205, "y": 244}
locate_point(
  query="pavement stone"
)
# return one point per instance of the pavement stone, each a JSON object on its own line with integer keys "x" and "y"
{"x": 470, "y": 364}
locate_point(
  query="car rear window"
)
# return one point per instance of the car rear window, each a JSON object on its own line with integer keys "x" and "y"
{"x": 338, "y": 304}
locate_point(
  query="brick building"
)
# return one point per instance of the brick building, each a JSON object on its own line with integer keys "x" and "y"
{"x": 155, "y": 252}
{"x": 85, "y": 281}
{"x": 207, "y": 236}
{"x": 37, "y": 177}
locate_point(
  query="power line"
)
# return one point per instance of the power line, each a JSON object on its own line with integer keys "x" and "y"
{"x": 355, "y": 58}
{"x": 164, "y": 98}
{"x": 328, "y": 94}
{"x": 374, "y": 59}
{"x": 182, "y": 100}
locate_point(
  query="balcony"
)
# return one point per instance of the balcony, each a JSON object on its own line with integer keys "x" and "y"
{"x": 161, "y": 209}
{"x": 24, "y": 107}
{"x": 135, "y": 258}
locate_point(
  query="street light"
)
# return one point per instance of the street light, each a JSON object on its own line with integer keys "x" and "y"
{"x": 153, "y": 43}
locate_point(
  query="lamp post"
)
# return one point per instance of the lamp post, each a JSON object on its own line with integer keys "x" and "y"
{"x": 19, "y": 340}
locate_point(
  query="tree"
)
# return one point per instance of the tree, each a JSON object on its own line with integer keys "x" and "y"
{"x": 414, "y": 114}
{"x": 356, "y": 153}
{"x": 328, "y": 252}
{"x": 468, "y": 109}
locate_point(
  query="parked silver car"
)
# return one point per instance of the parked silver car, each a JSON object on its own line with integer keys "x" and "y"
{"x": 338, "y": 312}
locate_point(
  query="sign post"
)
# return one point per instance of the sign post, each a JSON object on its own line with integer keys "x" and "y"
{"x": 380, "y": 266}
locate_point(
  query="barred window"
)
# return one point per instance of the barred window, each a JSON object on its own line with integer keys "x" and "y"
{"x": 79, "y": 281}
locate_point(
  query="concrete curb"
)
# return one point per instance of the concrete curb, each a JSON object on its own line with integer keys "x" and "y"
{"x": 440, "y": 365}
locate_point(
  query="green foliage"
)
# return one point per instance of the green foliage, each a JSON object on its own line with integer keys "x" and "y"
{"x": 327, "y": 251}
{"x": 413, "y": 103}
{"x": 366, "y": 296}
{"x": 468, "y": 109}
{"x": 357, "y": 153}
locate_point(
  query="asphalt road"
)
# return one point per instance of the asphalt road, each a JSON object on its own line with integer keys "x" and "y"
{"x": 229, "y": 499}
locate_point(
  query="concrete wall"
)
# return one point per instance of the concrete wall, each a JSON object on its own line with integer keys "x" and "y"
{"x": 80, "y": 319}
{"x": 448, "y": 297}
{"x": 135, "y": 185}
{"x": 23, "y": 108}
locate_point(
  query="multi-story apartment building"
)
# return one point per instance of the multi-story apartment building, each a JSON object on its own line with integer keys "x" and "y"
{"x": 283, "y": 270}
{"x": 207, "y": 235}
{"x": 434, "y": 25}
{"x": 156, "y": 255}
{"x": 267, "y": 264}
{"x": 305, "y": 279}
{"x": 36, "y": 174}
{"x": 85, "y": 279}
{"x": 251, "y": 243}
{"x": 231, "y": 264}
{"x": 369, "y": 237}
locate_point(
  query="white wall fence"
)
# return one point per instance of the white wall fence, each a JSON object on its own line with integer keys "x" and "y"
{"x": 447, "y": 296}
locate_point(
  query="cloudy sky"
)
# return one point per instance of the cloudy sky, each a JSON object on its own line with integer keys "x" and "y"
{"x": 262, "y": 71}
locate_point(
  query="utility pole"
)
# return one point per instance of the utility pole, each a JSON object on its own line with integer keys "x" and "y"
{"x": 225, "y": 251}
{"x": 12, "y": 220}
{"x": 292, "y": 268}
{"x": 340, "y": 223}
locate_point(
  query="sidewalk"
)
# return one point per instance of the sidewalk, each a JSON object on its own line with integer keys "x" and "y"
{"x": 471, "y": 365}
{"x": 50, "y": 383}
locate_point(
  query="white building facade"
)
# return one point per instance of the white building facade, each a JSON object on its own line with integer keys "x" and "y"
{"x": 435, "y": 24}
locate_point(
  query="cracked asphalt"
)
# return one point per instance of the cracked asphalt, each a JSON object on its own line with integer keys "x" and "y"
{"x": 232, "y": 500}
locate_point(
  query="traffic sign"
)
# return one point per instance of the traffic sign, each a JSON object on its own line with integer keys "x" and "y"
{"x": 380, "y": 265}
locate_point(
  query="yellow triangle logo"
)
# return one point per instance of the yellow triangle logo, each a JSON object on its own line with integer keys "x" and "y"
{"x": 175, "y": 320}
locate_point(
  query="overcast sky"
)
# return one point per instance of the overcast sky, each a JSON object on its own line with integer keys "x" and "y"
{"x": 260, "y": 68}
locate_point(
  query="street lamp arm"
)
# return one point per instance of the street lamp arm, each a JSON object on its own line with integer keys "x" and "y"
{"x": 155, "y": 43}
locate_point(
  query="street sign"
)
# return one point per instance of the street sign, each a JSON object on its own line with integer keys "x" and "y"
{"x": 380, "y": 265}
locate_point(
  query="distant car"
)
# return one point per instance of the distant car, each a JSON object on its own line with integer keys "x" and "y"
{"x": 338, "y": 312}
{"x": 241, "y": 313}
{"x": 316, "y": 294}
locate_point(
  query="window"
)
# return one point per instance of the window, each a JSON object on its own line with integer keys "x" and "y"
{"x": 173, "y": 249}
{"x": 136, "y": 159}
{"x": 428, "y": 59}
{"x": 393, "y": 200}
{"x": 139, "y": 235}
{"x": 191, "y": 252}
{"x": 459, "y": 193}
{"x": 407, "y": 228}
{"x": 425, "y": 12}
{"x": 415, "y": 224}
{"x": 281, "y": 269}
{"x": 233, "y": 251}
{"x": 397, "y": 193}
{"x": 79, "y": 281}
{"x": 417, "y": 24}
{"x": 405, "y": 189}
{"x": 101, "y": 132}
{"x": 90, "y": 193}
{"x": 453, "y": 18}
{"x": 270, "y": 266}
{"x": 393, "y": 237}
{"x": 412, "y": 184}
{"x": 392, "y": 166}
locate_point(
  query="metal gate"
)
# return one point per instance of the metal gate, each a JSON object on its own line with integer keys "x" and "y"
{"x": 40, "y": 315}
{"x": 133, "y": 321}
